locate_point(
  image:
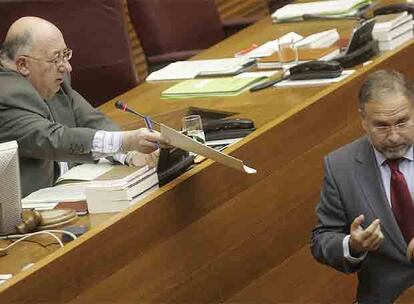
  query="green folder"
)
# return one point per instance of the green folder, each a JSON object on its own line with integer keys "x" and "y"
{"x": 228, "y": 86}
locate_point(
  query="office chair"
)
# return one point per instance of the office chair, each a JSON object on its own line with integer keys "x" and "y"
{"x": 172, "y": 30}
{"x": 95, "y": 30}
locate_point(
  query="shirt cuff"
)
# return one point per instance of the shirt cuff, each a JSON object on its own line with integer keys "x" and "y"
{"x": 106, "y": 143}
{"x": 347, "y": 252}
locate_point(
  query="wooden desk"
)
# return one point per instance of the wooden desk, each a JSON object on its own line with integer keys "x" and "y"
{"x": 214, "y": 234}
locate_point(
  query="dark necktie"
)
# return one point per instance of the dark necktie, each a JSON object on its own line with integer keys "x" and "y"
{"x": 401, "y": 202}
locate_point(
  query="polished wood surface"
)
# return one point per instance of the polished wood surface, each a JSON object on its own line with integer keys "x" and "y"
{"x": 214, "y": 234}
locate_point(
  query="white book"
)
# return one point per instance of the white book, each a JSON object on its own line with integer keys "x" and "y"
{"x": 385, "y": 23}
{"x": 336, "y": 7}
{"x": 319, "y": 40}
{"x": 190, "y": 69}
{"x": 108, "y": 193}
{"x": 394, "y": 33}
{"x": 396, "y": 42}
{"x": 99, "y": 206}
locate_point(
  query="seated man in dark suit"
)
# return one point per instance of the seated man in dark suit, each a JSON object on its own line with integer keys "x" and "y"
{"x": 51, "y": 122}
{"x": 366, "y": 211}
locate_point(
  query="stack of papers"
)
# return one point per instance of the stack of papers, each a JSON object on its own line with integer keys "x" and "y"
{"x": 191, "y": 69}
{"x": 335, "y": 8}
{"x": 393, "y": 30}
{"x": 228, "y": 86}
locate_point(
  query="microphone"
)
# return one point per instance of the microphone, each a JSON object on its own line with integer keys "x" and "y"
{"x": 123, "y": 107}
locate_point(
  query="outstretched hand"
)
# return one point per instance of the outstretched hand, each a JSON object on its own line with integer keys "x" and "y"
{"x": 365, "y": 240}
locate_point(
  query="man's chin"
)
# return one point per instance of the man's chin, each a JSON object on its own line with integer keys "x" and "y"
{"x": 395, "y": 153}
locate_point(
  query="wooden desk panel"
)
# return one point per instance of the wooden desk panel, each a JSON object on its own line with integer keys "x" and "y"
{"x": 215, "y": 234}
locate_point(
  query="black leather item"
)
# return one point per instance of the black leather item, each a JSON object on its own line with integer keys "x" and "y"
{"x": 226, "y": 124}
{"x": 226, "y": 134}
{"x": 361, "y": 55}
{"x": 394, "y": 9}
{"x": 172, "y": 163}
{"x": 315, "y": 69}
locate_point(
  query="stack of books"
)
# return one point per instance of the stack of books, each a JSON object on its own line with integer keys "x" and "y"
{"x": 330, "y": 9}
{"x": 393, "y": 30}
{"x": 120, "y": 188}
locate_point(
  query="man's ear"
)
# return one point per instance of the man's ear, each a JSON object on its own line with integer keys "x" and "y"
{"x": 362, "y": 115}
{"x": 22, "y": 66}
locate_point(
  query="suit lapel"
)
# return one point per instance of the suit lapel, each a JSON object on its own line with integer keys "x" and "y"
{"x": 368, "y": 177}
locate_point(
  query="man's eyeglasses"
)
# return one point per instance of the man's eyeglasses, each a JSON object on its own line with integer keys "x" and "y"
{"x": 59, "y": 59}
{"x": 400, "y": 128}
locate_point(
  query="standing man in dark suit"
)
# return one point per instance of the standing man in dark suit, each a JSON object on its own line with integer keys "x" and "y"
{"x": 366, "y": 211}
{"x": 52, "y": 123}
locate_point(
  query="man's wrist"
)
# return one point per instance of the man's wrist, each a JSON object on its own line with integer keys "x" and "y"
{"x": 350, "y": 256}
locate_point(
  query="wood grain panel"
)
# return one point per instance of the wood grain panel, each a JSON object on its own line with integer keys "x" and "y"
{"x": 214, "y": 234}
{"x": 229, "y": 9}
{"x": 138, "y": 55}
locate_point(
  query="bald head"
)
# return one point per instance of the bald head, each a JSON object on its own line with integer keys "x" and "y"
{"x": 27, "y": 35}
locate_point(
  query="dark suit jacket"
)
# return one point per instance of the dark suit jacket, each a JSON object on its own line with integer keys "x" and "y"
{"x": 352, "y": 186}
{"x": 60, "y": 129}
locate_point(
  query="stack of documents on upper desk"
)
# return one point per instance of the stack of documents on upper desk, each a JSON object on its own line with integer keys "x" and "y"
{"x": 193, "y": 68}
{"x": 335, "y": 9}
{"x": 228, "y": 86}
{"x": 393, "y": 30}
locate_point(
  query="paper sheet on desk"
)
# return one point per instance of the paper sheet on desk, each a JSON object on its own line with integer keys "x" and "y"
{"x": 313, "y": 82}
{"x": 186, "y": 143}
{"x": 62, "y": 193}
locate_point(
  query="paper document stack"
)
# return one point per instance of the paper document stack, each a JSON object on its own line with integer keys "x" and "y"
{"x": 120, "y": 188}
{"x": 335, "y": 8}
{"x": 112, "y": 187}
{"x": 393, "y": 30}
{"x": 193, "y": 68}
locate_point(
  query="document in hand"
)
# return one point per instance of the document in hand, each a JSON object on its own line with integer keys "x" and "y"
{"x": 334, "y": 8}
{"x": 186, "y": 143}
{"x": 228, "y": 86}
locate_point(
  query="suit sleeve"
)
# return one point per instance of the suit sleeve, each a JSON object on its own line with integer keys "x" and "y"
{"x": 24, "y": 117}
{"x": 332, "y": 226}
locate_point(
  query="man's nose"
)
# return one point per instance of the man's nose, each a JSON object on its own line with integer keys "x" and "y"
{"x": 67, "y": 66}
{"x": 393, "y": 136}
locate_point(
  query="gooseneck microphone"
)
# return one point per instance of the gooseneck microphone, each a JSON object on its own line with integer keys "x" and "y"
{"x": 123, "y": 107}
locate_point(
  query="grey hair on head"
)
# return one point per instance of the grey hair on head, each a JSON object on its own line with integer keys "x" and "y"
{"x": 12, "y": 46}
{"x": 384, "y": 83}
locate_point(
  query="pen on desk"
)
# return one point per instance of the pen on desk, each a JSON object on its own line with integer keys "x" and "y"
{"x": 268, "y": 83}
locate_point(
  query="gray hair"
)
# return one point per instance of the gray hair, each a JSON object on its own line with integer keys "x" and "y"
{"x": 12, "y": 46}
{"x": 384, "y": 83}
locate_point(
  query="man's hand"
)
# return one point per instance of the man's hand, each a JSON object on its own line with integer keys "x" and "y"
{"x": 142, "y": 140}
{"x": 410, "y": 251}
{"x": 138, "y": 159}
{"x": 365, "y": 240}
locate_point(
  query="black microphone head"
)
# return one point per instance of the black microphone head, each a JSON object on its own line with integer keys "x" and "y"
{"x": 120, "y": 105}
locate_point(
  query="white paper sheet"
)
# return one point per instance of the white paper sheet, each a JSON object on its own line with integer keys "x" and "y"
{"x": 186, "y": 143}
{"x": 313, "y": 82}
{"x": 62, "y": 193}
